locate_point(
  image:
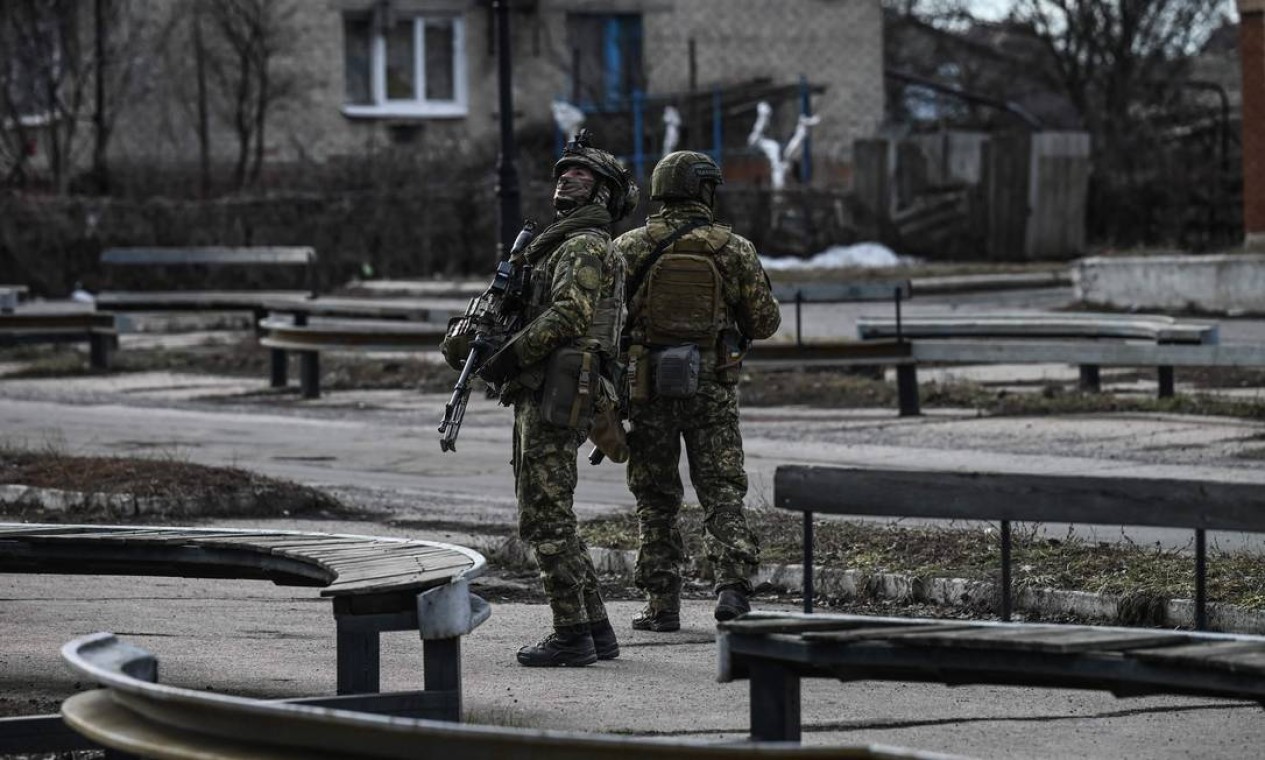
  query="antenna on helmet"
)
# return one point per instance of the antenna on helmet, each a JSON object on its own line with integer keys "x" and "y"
{"x": 582, "y": 139}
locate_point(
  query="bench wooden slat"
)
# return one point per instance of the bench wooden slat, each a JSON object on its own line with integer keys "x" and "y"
{"x": 759, "y": 626}
{"x": 1022, "y": 497}
{"x": 215, "y": 255}
{"x": 1046, "y": 639}
{"x": 392, "y": 568}
{"x": 1235, "y": 657}
{"x": 389, "y": 583}
{"x": 886, "y": 632}
{"x": 1196, "y": 653}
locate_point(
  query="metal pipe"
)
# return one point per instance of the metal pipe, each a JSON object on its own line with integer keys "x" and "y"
{"x": 1201, "y": 580}
{"x": 808, "y": 562}
{"x": 1006, "y": 600}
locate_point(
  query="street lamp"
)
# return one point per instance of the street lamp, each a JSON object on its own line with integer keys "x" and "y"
{"x": 507, "y": 192}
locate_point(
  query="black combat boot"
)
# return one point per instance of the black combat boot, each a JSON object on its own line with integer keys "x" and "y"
{"x": 659, "y": 616}
{"x": 731, "y": 601}
{"x": 604, "y": 640}
{"x": 570, "y": 646}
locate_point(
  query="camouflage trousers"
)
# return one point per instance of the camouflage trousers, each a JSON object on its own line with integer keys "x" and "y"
{"x": 708, "y": 423}
{"x": 544, "y": 482}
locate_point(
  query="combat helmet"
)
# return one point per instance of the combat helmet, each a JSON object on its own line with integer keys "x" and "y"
{"x": 685, "y": 175}
{"x": 622, "y": 189}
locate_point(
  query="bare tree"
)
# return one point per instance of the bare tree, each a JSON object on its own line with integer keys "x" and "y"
{"x": 58, "y": 58}
{"x": 240, "y": 62}
{"x": 1124, "y": 64}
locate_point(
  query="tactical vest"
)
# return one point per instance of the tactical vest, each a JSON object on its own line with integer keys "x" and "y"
{"x": 681, "y": 299}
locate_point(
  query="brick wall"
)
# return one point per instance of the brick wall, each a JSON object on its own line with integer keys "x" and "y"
{"x": 1252, "y": 51}
{"x": 837, "y": 43}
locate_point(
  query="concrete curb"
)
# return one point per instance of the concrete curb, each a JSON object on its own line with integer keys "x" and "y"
{"x": 56, "y": 500}
{"x": 960, "y": 593}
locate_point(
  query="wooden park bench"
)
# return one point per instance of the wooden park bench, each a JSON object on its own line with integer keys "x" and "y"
{"x": 775, "y": 651}
{"x": 193, "y": 265}
{"x": 376, "y": 585}
{"x": 95, "y": 328}
{"x": 133, "y": 713}
{"x": 282, "y": 334}
{"x": 1197, "y": 505}
{"x": 800, "y": 293}
{"x": 1086, "y": 339}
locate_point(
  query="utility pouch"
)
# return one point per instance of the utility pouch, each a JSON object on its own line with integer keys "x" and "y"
{"x": 570, "y": 388}
{"x": 638, "y": 374}
{"x": 676, "y": 371}
{"x": 732, "y": 346}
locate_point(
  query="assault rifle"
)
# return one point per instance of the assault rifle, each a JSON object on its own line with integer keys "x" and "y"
{"x": 497, "y": 313}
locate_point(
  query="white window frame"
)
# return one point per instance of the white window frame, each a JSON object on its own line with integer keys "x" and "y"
{"x": 419, "y": 106}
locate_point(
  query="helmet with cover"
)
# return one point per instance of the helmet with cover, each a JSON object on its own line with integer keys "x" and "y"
{"x": 615, "y": 187}
{"x": 685, "y": 175}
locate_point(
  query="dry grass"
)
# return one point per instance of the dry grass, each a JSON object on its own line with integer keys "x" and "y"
{"x": 172, "y": 489}
{"x": 974, "y": 553}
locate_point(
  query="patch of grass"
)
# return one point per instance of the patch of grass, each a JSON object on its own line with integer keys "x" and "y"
{"x": 173, "y": 489}
{"x": 1143, "y": 574}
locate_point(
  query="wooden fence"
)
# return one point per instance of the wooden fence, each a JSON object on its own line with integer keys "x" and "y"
{"x": 977, "y": 196}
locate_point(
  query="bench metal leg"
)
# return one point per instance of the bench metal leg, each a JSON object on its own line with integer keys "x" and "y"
{"x": 310, "y": 374}
{"x": 277, "y": 371}
{"x": 1007, "y": 602}
{"x": 99, "y": 351}
{"x": 441, "y": 673}
{"x": 775, "y": 705}
{"x": 358, "y": 661}
{"x": 1091, "y": 378}
{"x": 907, "y": 390}
{"x": 1201, "y": 580}
{"x": 1166, "y": 382}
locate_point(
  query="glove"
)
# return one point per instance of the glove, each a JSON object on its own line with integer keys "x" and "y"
{"x": 456, "y": 348}
{"x": 503, "y": 363}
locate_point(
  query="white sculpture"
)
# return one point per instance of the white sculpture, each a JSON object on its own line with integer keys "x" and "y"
{"x": 671, "y": 129}
{"x": 568, "y": 117}
{"x": 779, "y": 157}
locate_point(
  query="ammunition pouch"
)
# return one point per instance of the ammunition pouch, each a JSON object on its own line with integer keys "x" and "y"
{"x": 569, "y": 392}
{"x": 676, "y": 371}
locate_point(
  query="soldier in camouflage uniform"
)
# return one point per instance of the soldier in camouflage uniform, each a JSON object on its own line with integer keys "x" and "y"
{"x": 575, "y": 301}
{"x": 707, "y": 420}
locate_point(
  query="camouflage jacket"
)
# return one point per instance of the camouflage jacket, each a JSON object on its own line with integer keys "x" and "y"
{"x": 568, "y": 281}
{"x": 745, "y": 285}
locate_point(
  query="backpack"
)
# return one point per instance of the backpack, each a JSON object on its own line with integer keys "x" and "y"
{"x": 683, "y": 298}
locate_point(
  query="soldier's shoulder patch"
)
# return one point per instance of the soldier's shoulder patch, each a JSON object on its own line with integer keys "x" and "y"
{"x": 588, "y": 277}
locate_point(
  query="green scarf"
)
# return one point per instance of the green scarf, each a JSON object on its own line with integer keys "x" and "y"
{"x": 590, "y": 216}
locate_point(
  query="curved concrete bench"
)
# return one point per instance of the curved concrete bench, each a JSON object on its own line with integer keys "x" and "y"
{"x": 134, "y": 715}
{"x": 96, "y": 328}
{"x": 284, "y": 334}
{"x": 376, "y": 584}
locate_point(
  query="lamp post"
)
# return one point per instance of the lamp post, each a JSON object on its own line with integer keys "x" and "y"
{"x": 507, "y": 192}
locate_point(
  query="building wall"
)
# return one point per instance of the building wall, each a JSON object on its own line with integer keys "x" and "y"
{"x": 836, "y": 43}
